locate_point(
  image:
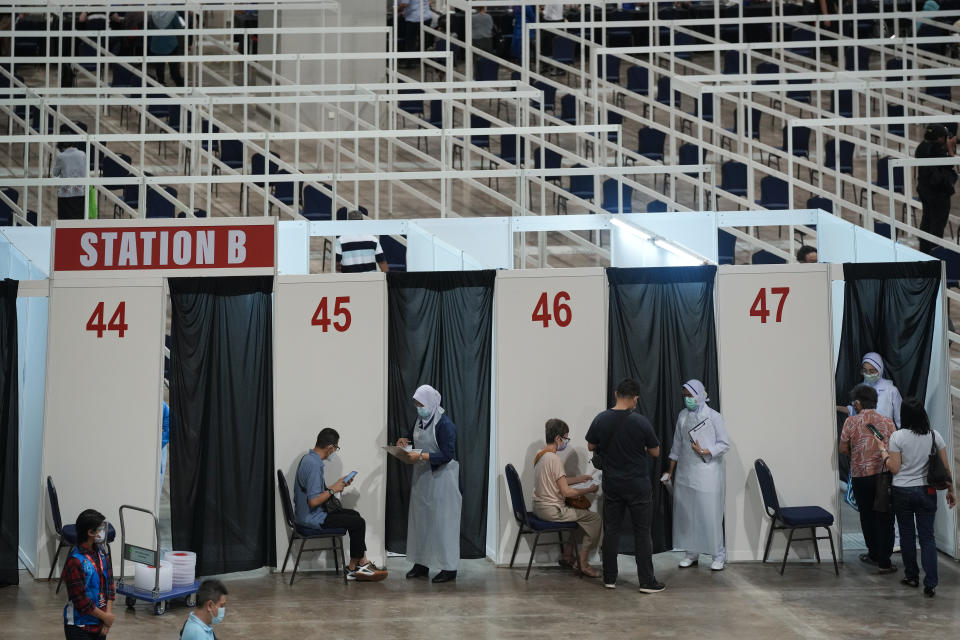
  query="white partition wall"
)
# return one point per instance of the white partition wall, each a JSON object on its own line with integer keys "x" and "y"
{"x": 101, "y": 427}
{"x": 330, "y": 350}
{"x": 553, "y": 365}
{"x": 776, "y": 381}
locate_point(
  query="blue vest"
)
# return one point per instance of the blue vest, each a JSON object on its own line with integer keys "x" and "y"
{"x": 94, "y": 589}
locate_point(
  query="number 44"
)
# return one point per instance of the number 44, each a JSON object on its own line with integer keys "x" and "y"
{"x": 117, "y": 320}
{"x": 759, "y": 306}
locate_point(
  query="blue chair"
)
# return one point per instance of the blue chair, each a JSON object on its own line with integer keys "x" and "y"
{"x": 774, "y": 193}
{"x": 579, "y": 187}
{"x": 689, "y": 154}
{"x": 651, "y": 143}
{"x": 113, "y": 169}
{"x": 861, "y": 58}
{"x": 395, "y": 252}
{"x": 801, "y": 147}
{"x": 803, "y": 35}
{"x": 317, "y": 205}
{"x": 335, "y": 536}
{"x": 707, "y": 115}
{"x": 842, "y": 103}
{"x": 883, "y": 178}
{"x": 733, "y": 61}
{"x": 563, "y": 50}
{"x": 413, "y": 107}
{"x": 610, "y": 203}
{"x": 882, "y": 229}
{"x": 754, "y": 127}
{"x": 726, "y": 247}
{"x": 551, "y": 160}
{"x": 656, "y": 206}
{"x": 130, "y": 197}
{"x": 549, "y": 96}
{"x": 568, "y": 108}
{"x": 531, "y": 524}
{"x": 952, "y": 258}
{"x": 487, "y": 70}
{"x": 435, "y": 118}
{"x": 481, "y": 140}
{"x": 283, "y": 191}
{"x": 616, "y": 119}
{"x": 897, "y": 63}
{"x": 682, "y": 40}
{"x": 846, "y": 159}
{"x": 765, "y": 257}
{"x": 663, "y": 92}
{"x": 613, "y": 69}
{"x": 158, "y": 206}
{"x": 820, "y": 203}
{"x": 799, "y": 95}
{"x": 792, "y": 518}
{"x": 6, "y": 212}
{"x": 896, "y": 129}
{"x": 638, "y": 80}
{"x": 231, "y": 154}
{"x": 509, "y": 152}
{"x": 733, "y": 178}
{"x": 66, "y": 533}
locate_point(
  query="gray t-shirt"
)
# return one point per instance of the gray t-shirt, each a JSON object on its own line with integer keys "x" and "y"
{"x": 914, "y": 455}
{"x": 481, "y": 26}
{"x": 309, "y": 484}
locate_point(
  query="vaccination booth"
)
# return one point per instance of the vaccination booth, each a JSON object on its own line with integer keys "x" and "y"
{"x": 263, "y": 354}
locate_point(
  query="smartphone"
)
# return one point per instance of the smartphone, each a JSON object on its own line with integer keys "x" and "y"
{"x": 350, "y": 477}
{"x": 876, "y": 433}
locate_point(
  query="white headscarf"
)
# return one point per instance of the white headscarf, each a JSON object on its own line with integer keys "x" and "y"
{"x": 429, "y": 398}
{"x": 875, "y": 360}
{"x": 698, "y": 391}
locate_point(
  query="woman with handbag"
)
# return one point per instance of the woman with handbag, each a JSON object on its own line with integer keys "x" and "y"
{"x": 699, "y": 442}
{"x": 917, "y": 457}
{"x": 867, "y": 477}
{"x": 554, "y": 500}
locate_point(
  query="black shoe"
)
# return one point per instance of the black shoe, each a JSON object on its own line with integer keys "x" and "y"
{"x": 652, "y": 587}
{"x": 418, "y": 571}
{"x": 911, "y": 582}
{"x": 865, "y": 557}
{"x": 929, "y": 592}
{"x": 886, "y": 570}
{"x": 444, "y": 576}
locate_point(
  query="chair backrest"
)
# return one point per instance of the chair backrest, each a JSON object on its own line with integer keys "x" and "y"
{"x": 801, "y": 139}
{"x": 656, "y": 206}
{"x": 562, "y": 49}
{"x": 651, "y": 140}
{"x": 316, "y": 201}
{"x": 508, "y": 145}
{"x": 283, "y": 189}
{"x": 733, "y": 174}
{"x": 765, "y": 257}
{"x": 613, "y": 69}
{"x": 131, "y": 193}
{"x": 231, "y": 150}
{"x": 726, "y": 246}
{"x": 568, "y": 107}
{"x": 638, "y": 80}
{"x": 846, "y": 155}
{"x": 582, "y": 185}
{"x": 479, "y": 122}
{"x": 688, "y": 154}
{"x": 767, "y": 488}
{"x": 285, "y": 500}
{"x": 516, "y": 495}
{"x": 487, "y": 69}
{"x": 731, "y": 61}
{"x": 844, "y": 105}
{"x": 395, "y": 252}
{"x": 952, "y": 258}
{"x": 663, "y": 89}
{"x": 610, "y": 202}
{"x": 882, "y": 229}
{"x": 767, "y": 67}
{"x": 158, "y": 206}
{"x": 895, "y": 111}
{"x": 818, "y": 202}
{"x": 113, "y": 169}
{"x": 54, "y": 506}
{"x": 6, "y": 212}
{"x": 773, "y": 190}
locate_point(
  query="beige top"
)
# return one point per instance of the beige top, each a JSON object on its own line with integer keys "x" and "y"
{"x": 547, "y": 471}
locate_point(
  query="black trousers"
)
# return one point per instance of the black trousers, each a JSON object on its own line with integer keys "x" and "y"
{"x": 936, "y": 212}
{"x": 72, "y": 632}
{"x": 70, "y": 208}
{"x": 158, "y": 67}
{"x": 355, "y": 525}
{"x": 877, "y": 526}
{"x": 639, "y": 503}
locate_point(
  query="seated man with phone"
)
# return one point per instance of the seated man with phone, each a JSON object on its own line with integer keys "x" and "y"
{"x": 317, "y": 507}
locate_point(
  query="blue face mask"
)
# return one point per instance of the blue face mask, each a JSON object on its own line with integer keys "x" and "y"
{"x": 424, "y": 413}
{"x": 217, "y": 619}
{"x": 690, "y": 403}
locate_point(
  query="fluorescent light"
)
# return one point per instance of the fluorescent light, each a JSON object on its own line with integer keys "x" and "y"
{"x": 629, "y": 228}
{"x": 677, "y": 251}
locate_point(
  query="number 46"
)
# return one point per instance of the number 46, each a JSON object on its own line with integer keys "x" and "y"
{"x": 759, "y": 306}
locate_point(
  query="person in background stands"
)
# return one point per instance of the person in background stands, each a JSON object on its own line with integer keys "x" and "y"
{"x": 550, "y": 493}
{"x": 935, "y": 184}
{"x": 359, "y": 253}
{"x": 311, "y": 493}
{"x": 209, "y": 612}
{"x": 70, "y": 162}
{"x": 550, "y": 13}
{"x": 166, "y": 45}
{"x": 415, "y": 13}
{"x": 863, "y": 447}
{"x": 626, "y": 442}
{"x": 913, "y": 501}
{"x": 481, "y": 28}
{"x": 89, "y": 578}
{"x": 807, "y": 255}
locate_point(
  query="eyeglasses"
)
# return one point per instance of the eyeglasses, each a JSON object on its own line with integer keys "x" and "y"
{"x": 566, "y": 438}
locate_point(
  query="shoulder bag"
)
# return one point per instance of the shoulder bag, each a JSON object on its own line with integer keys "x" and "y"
{"x": 883, "y": 498}
{"x": 938, "y": 476}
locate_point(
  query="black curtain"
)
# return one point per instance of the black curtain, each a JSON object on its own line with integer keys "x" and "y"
{"x": 888, "y": 308}
{"x": 441, "y": 334}
{"x": 662, "y": 333}
{"x": 221, "y": 410}
{"x": 9, "y": 435}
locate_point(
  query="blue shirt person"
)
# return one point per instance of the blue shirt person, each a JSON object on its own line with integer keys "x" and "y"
{"x": 210, "y": 611}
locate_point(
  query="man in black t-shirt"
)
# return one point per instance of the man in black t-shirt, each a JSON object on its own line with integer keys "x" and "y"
{"x": 626, "y": 442}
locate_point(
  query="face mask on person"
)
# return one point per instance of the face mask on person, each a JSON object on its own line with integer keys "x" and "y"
{"x": 101, "y": 536}
{"x": 423, "y": 412}
{"x": 563, "y": 444}
{"x": 690, "y": 403}
{"x": 871, "y": 378}
{"x": 217, "y": 619}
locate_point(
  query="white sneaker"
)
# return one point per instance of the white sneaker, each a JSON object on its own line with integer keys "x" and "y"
{"x": 689, "y": 560}
{"x": 717, "y": 564}
{"x": 612, "y": 585}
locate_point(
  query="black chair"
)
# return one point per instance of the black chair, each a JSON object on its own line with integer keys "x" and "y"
{"x": 531, "y": 524}
{"x": 66, "y": 533}
{"x": 792, "y": 518}
{"x": 297, "y": 533}
{"x": 765, "y": 257}
{"x": 726, "y": 247}
{"x": 395, "y": 252}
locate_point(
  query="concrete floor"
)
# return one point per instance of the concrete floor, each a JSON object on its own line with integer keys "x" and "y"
{"x": 743, "y": 601}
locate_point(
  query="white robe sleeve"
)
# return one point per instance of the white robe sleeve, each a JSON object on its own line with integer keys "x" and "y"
{"x": 720, "y": 432}
{"x": 677, "y": 439}
{"x": 896, "y": 400}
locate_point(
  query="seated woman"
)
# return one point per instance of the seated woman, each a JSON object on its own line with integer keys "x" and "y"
{"x": 550, "y": 493}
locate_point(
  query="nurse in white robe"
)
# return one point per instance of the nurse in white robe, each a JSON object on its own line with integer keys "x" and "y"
{"x": 697, "y": 470}
{"x": 888, "y": 396}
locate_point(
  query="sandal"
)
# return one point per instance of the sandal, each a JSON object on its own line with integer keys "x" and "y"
{"x": 568, "y": 563}
{"x": 590, "y": 572}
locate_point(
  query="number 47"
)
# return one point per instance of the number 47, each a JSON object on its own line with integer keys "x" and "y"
{"x": 759, "y": 306}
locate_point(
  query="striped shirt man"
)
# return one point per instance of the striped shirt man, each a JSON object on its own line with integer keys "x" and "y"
{"x": 359, "y": 253}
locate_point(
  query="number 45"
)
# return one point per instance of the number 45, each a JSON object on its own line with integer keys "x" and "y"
{"x": 759, "y": 306}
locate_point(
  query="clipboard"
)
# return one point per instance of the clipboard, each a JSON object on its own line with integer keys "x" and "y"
{"x": 691, "y": 434}
{"x": 400, "y": 453}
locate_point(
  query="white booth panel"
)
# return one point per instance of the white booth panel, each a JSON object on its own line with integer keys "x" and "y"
{"x": 873, "y": 248}
{"x": 694, "y": 230}
{"x": 835, "y": 240}
{"x": 33, "y": 243}
{"x": 293, "y": 247}
{"x": 554, "y": 366}
{"x": 333, "y": 375}
{"x": 101, "y": 427}
{"x": 776, "y": 381}
{"x": 488, "y": 241}
{"x": 940, "y": 410}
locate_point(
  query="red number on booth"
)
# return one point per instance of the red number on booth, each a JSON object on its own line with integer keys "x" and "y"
{"x": 322, "y": 320}
{"x": 540, "y": 313}
{"x": 561, "y": 311}
{"x": 759, "y": 306}
{"x": 342, "y": 311}
{"x": 118, "y": 320}
{"x": 783, "y": 292}
{"x": 95, "y": 323}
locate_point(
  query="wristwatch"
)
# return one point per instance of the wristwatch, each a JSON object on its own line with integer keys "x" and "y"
{"x": 333, "y": 494}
